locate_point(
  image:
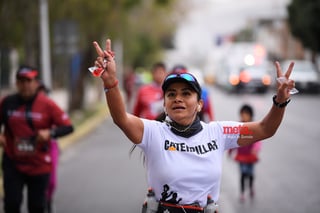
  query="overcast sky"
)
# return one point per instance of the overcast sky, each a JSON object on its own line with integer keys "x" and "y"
{"x": 210, "y": 18}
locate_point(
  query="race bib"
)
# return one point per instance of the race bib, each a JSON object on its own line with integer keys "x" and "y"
{"x": 24, "y": 146}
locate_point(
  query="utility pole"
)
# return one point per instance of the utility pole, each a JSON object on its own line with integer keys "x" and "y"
{"x": 45, "y": 43}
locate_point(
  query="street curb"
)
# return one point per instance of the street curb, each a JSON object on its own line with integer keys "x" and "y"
{"x": 80, "y": 131}
{"x": 99, "y": 116}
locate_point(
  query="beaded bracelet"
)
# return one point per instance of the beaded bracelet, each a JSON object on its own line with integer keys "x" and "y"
{"x": 106, "y": 89}
{"x": 280, "y": 105}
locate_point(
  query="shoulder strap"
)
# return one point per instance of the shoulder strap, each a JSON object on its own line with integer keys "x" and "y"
{"x": 28, "y": 111}
{"x": 28, "y": 116}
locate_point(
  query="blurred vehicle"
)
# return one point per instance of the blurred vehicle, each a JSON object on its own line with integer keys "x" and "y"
{"x": 248, "y": 79}
{"x": 244, "y": 68}
{"x": 305, "y": 75}
{"x": 254, "y": 78}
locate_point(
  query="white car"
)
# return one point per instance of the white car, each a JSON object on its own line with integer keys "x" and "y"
{"x": 304, "y": 74}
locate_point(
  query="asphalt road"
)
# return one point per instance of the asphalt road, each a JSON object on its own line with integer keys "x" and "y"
{"x": 98, "y": 175}
{"x": 287, "y": 174}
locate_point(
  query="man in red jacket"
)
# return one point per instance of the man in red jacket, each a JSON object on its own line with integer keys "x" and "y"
{"x": 149, "y": 100}
{"x": 30, "y": 121}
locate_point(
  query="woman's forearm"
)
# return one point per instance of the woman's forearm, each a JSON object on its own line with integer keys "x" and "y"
{"x": 265, "y": 128}
{"x": 116, "y": 105}
{"x": 272, "y": 121}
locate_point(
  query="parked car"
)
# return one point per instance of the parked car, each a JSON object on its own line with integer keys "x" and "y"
{"x": 305, "y": 75}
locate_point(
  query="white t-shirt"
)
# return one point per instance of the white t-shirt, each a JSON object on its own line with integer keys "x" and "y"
{"x": 186, "y": 170}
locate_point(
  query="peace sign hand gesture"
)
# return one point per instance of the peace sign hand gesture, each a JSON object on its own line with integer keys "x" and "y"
{"x": 285, "y": 85}
{"x": 105, "y": 64}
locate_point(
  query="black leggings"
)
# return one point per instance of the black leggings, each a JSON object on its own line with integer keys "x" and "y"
{"x": 247, "y": 173}
{"x": 243, "y": 179}
{"x": 14, "y": 181}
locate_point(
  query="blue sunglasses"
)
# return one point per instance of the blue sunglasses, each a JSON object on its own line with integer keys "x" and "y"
{"x": 185, "y": 76}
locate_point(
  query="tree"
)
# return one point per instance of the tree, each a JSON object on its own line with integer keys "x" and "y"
{"x": 19, "y": 28}
{"x": 304, "y": 16}
{"x": 143, "y": 26}
{"x": 124, "y": 20}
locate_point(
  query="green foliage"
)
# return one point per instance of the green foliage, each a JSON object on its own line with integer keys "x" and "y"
{"x": 15, "y": 17}
{"x": 162, "y": 2}
{"x": 246, "y": 34}
{"x": 304, "y": 16}
{"x": 148, "y": 31}
{"x": 142, "y": 26}
{"x": 19, "y": 27}
{"x": 126, "y": 20}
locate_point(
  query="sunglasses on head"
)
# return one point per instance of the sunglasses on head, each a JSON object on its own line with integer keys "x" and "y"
{"x": 185, "y": 76}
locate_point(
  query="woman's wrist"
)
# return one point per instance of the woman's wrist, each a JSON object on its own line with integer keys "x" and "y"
{"x": 280, "y": 97}
{"x": 108, "y": 86}
{"x": 280, "y": 104}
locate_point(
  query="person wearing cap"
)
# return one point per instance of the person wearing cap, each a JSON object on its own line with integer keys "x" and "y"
{"x": 206, "y": 113}
{"x": 183, "y": 153}
{"x": 149, "y": 97}
{"x": 30, "y": 121}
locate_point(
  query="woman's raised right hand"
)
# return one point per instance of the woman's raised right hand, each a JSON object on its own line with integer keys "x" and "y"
{"x": 106, "y": 61}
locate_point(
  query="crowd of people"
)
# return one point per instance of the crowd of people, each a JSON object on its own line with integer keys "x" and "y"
{"x": 172, "y": 122}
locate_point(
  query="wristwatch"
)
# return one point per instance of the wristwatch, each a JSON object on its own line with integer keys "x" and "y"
{"x": 280, "y": 105}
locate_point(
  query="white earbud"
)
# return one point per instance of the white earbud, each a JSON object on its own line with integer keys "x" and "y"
{"x": 167, "y": 118}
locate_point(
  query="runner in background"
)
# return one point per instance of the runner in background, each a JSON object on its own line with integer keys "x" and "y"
{"x": 30, "y": 120}
{"x": 149, "y": 99}
{"x": 247, "y": 157}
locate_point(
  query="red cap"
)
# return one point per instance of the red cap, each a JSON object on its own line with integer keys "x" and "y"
{"x": 26, "y": 72}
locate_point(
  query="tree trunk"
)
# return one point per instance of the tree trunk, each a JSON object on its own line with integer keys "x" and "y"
{"x": 77, "y": 96}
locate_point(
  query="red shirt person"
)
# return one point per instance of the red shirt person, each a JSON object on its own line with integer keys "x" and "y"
{"x": 149, "y": 99}
{"x": 30, "y": 121}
